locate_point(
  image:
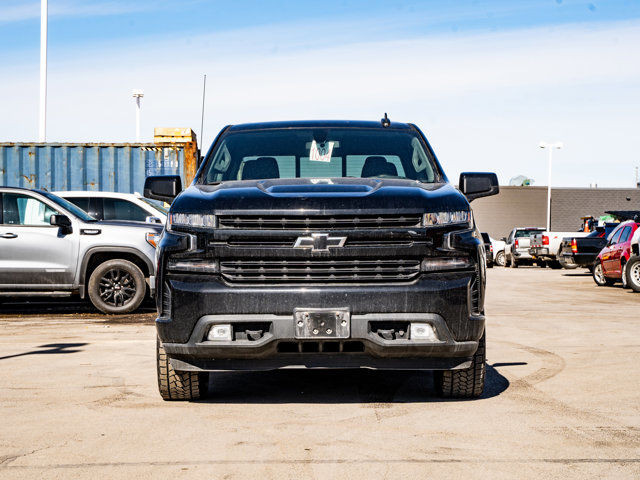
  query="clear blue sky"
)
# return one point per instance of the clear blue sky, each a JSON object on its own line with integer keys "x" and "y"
{"x": 486, "y": 80}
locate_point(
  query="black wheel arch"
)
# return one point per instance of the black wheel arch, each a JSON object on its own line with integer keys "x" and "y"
{"x": 96, "y": 255}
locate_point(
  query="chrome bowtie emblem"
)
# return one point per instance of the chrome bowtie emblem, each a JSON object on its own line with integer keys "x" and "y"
{"x": 319, "y": 242}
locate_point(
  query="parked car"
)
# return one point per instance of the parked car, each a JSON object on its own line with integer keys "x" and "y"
{"x": 546, "y": 248}
{"x": 488, "y": 248}
{"x": 516, "y": 249}
{"x": 632, "y": 267}
{"x": 583, "y": 251}
{"x": 331, "y": 244}
{"x": 498, "y": 251}
{"x": 49, "y": 246}
{"x": 128, "y": 207}
{"x": 610, "y": 263}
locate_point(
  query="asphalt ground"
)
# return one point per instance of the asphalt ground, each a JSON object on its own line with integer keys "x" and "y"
{"x": 79, "y": 400}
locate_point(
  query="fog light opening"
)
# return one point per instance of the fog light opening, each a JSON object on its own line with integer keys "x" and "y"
{"x": 220, "y": 333}
{"x": 422, "y": 331}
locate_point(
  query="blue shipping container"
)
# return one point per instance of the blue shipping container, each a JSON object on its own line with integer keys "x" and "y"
{"x": 107, "y": 167}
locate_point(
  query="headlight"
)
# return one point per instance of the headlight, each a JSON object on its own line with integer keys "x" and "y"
{"x": 434, "y": 264}
{"x": 196, "y": 265}
{"x": 197, "y": 220}
{"x": 435, "y": 219}
{"x": 152, "y": 238}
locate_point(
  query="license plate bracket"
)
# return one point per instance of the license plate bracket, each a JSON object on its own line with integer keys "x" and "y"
{"x": 322, "y": 323}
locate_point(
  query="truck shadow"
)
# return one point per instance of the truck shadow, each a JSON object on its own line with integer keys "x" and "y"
{"x": 50, "y": 349}
{"x": 336, "y": 386}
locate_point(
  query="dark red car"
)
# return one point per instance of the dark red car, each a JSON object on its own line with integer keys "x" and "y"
{"x": 609, "y": 264}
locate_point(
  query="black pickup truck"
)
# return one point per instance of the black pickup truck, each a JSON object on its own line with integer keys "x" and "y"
{"x": 582, "y": 251}
{"x": 321, "y": 244}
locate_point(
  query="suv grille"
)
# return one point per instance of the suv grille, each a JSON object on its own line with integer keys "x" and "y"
{"x": 319, "y": 222}
{"x": 326, "y": 271}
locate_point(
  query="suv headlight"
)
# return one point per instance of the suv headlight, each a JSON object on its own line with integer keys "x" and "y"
{"x": 196, "y": 220}
{"x": 435, "y": 219}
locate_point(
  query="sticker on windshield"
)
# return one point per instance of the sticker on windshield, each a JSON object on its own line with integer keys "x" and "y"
{"x": 321, "y": 152}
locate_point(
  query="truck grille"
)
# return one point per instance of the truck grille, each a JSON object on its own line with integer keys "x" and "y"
{"x": 325, "y": 271}
{"x": 318, "y": 222}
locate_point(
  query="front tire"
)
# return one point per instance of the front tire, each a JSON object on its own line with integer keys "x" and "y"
{"x": 117, "y": 286}
{"x": 632, "y": 273}
{"x": 466, "y": 383}
{"x": 178, "y": 385}
{"x": 500, "y": 259}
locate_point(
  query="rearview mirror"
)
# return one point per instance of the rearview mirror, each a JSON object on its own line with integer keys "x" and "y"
{"x": 61, "y": 221}
{"x": 476, "y": 184}
{"x": 164, "y": 188}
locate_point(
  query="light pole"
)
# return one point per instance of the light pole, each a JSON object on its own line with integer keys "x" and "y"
{"x": 550, "y": 147}
{"x": 137, "y": 95}
{"x": 42, "y": 120}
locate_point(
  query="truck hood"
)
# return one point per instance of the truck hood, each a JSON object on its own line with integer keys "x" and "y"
{"x": 320, "y": 195}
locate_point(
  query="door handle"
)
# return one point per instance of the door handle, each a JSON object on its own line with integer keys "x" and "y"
{"x": 8, "y": 235}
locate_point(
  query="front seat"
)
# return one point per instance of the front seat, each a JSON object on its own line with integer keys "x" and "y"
{"x": 376, "y": 166}
{"x": 260, "y": 168}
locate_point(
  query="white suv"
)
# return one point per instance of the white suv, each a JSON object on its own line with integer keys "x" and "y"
{"x": 117, "y": 206}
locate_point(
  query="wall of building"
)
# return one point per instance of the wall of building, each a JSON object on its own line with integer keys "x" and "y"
{"x": 527, "y": 207}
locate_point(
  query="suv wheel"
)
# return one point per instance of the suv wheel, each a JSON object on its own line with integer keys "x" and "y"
{"x": 500, "y": 259}
{"x": 466, "y": 383}
{"x": 178, "y": 385}
{"x": 117, "y": 286}
{"x": 632, "y": 273}
{"x": 599, "y": 278}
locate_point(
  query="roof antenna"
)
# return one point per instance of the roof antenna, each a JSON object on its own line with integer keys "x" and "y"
{"x": 385, "y": 121}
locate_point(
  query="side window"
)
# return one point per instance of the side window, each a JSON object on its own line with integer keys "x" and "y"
{"x": 118, "y": 209}
{"x": 616, "y": 237}
{"x": 20, "y": 209}
{"x": 626, "y": 233}
{"x": 96, "y": 209}
{"x": 80, "y": 202}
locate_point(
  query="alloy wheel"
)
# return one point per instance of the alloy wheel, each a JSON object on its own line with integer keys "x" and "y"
{"x": 117, "y": 287}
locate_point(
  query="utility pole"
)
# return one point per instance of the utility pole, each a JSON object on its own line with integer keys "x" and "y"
{"x": 42, "y": 121}
{"x": 137, "y": 95}
{"x": 550, "y": 147}
{"x": 204, "y": 91}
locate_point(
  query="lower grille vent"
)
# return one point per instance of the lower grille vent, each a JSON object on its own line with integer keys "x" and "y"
{"x": 474, "y": 289}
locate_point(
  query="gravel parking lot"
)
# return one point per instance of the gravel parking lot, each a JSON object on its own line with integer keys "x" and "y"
{"x": 79, "y": 399}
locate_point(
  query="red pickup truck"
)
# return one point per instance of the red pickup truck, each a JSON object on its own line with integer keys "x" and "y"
{"x": 609, "y": 265}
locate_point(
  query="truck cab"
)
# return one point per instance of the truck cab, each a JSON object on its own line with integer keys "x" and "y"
{"x": 335, "y": 244}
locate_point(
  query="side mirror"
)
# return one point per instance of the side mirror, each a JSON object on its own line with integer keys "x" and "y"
{"x": 151, "y": 219}
{"x": 504, "y": 239}
{"x": 164, "y": 188}
{"x": 61, "y": 221}
{"x": 476, "y": 185}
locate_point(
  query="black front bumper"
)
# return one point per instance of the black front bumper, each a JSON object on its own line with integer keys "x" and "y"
{"x": 443, "y": 300}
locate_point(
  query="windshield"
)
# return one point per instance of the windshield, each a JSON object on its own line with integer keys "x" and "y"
{"x": 321, "y": 153}
{"x": 78, "y": 212}
{"x": 155, "y": 204}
